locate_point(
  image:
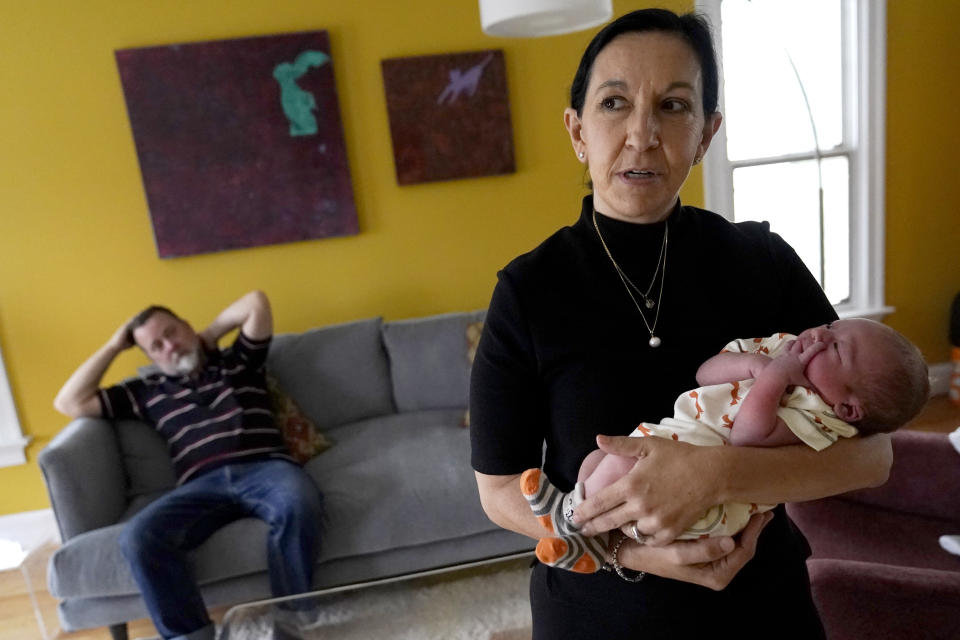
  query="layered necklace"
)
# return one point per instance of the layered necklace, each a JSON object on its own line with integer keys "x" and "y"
{"x": 631, "y": 288}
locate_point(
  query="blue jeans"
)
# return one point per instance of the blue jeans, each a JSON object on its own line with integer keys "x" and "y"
{"x": 155, "y": 542}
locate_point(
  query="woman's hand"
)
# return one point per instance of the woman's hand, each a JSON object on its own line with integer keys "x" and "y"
{"x": 669, "y": 488}
{"x": 709, "y": 562}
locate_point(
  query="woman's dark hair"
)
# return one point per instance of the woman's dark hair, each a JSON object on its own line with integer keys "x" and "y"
{"x": 693, "y": 28}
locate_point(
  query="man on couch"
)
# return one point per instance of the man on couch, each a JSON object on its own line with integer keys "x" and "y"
{"x": 212, "y": 408}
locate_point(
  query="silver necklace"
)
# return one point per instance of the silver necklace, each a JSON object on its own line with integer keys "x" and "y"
{"x": 647, "y": 300}
{"x": 630, "y": 287}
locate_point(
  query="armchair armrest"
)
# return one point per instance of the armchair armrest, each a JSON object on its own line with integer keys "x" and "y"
{"x": 924, "y": 480}
{"x": 85, "y": 478}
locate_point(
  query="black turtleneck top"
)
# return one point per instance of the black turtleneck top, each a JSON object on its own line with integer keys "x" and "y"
{"x": 565, "y": 356}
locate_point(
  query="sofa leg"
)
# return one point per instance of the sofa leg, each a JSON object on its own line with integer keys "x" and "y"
{"x": 119, "y": 631}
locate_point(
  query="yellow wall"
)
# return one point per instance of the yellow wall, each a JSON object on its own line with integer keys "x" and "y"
{"x": 76, "y": 249}
{"x": 923, "y": 171}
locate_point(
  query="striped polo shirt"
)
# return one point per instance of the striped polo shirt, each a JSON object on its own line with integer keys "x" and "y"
{"x": 219, "y": 415}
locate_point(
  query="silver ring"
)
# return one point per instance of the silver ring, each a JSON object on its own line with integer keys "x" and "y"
{"x": 639, "y": 538}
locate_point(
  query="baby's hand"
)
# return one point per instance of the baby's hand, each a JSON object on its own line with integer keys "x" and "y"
{"x": 792, "y": 362}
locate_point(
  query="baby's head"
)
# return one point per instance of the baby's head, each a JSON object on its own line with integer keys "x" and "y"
{"x": 872, "y": 376}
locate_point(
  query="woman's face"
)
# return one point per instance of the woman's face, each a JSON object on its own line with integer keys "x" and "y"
{"x": 642, "y": 124}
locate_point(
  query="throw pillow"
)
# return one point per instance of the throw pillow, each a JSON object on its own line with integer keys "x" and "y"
{"x": 474, "y": 329}
{"x": 303, "y": 438}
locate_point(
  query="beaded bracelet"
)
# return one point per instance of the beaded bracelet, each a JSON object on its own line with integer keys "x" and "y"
{"x": 619, "y": 568}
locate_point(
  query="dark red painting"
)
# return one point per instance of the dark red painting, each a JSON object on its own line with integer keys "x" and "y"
{"x": 449, "y": 116}
{"x": 240, "y": 142}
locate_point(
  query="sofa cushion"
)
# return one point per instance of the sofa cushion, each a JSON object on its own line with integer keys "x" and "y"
{"x": 146, "y": 460}
{"x": 92, "y": 566}
{"x": 429, "y": 365}
{"x": 400, "y": 481}
{"x": 336, "y": 374}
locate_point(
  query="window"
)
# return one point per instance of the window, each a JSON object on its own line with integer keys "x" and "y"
{"x": 802, "y": 145}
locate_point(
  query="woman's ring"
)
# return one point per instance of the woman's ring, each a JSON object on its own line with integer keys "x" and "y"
{"x": 639, "y": 538}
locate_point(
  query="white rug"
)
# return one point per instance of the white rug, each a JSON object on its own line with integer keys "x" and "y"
{"x": 470, "y": 608}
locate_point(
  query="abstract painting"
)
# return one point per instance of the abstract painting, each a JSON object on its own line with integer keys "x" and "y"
{"x": 449, "y": 116}
{"x": 240, "y": 142}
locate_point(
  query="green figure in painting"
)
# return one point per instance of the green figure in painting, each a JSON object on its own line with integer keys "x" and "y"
{"x": 299, "y": 105}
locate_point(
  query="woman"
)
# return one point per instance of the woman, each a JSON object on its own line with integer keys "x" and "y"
{"x": 601, "y": 326}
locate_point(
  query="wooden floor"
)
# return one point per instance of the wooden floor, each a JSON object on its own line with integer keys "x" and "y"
{"x": 18, "y": 620}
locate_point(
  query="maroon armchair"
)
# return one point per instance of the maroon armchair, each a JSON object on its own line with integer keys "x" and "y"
{"x": 877, "y": 569}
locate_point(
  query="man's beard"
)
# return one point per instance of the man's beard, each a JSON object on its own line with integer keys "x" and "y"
{"x": 187, "y": 362}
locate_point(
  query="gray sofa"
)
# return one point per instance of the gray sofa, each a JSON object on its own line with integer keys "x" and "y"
{"x": 399, "y": 492}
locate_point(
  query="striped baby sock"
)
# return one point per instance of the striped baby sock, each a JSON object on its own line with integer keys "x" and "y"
{"x": 551, "y": 507}
{"x": 568, "y": 550}
{"x": 575, "y": 552}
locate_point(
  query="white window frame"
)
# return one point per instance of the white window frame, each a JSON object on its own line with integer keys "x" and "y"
{"x": 12, "y": 443}
{"x": 864, "y": 145}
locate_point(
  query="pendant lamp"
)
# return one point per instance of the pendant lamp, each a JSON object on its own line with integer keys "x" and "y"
{"x": 532, "y": 18}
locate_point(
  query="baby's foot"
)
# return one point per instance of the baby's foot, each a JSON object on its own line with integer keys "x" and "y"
{"x": 553, "y": 509}
{"x": 569, "y": 550}
{"x": 575, "y": 552}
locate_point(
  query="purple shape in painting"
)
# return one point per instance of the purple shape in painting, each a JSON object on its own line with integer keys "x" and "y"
{"x": 240, "y": 142}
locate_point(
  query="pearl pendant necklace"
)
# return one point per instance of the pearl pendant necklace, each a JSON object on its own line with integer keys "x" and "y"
{"x": 654, "y": 340}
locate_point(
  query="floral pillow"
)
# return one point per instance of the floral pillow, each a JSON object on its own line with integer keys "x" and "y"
{"x": 303, "y": 438}
{"x": 474, "y": 329}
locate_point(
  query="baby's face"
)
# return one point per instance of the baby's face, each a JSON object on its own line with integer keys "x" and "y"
{"x": 854, "y": 347}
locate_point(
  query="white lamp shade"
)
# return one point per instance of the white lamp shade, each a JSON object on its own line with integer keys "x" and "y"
{"x": 531, "y": 18}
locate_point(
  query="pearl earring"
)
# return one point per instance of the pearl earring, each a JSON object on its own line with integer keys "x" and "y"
{"x": 580, "y": 155}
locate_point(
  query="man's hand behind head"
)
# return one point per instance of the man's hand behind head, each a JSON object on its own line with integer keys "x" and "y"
{"x": 122, "y": 338}
{"x": 78, "y": 397}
